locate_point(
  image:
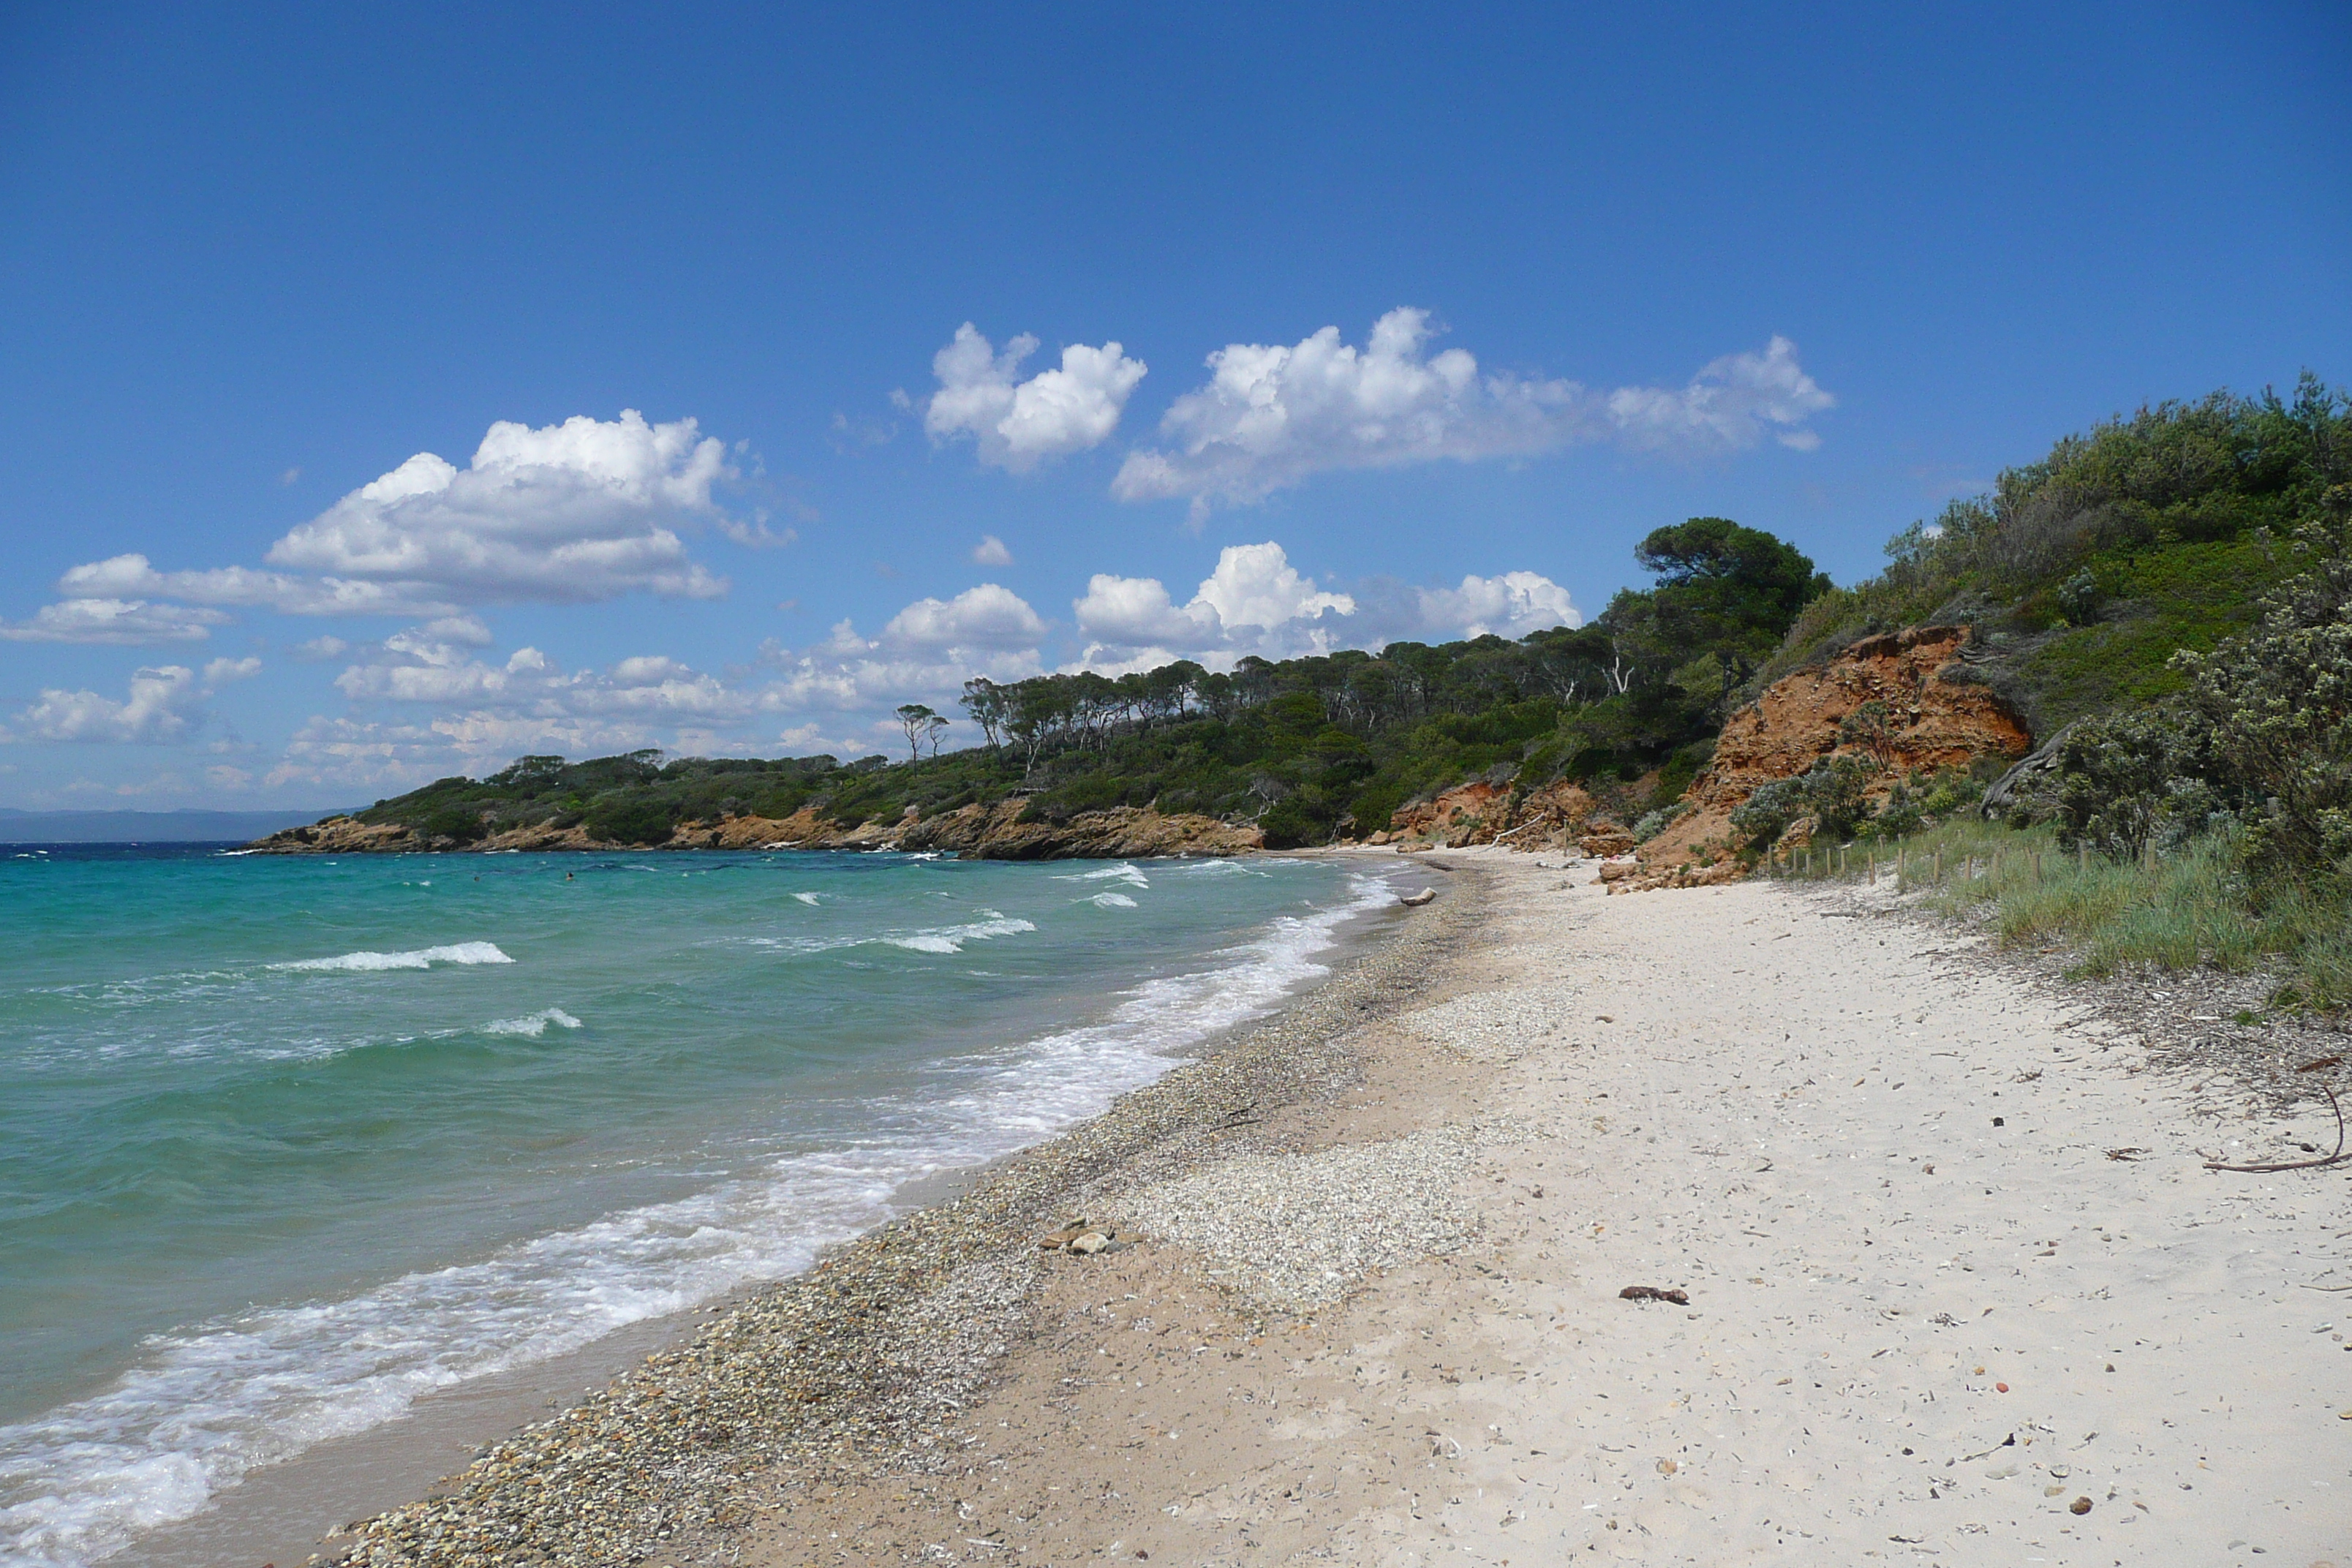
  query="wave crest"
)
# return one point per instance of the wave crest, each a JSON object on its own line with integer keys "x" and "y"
{"x": 534, "y": 1024}
{"x": 420, "y": 958}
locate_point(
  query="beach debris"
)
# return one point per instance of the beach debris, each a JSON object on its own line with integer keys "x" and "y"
{"x": 1651, "y": 1293}
{"x": 2080, "y": 1505}
{"x": 2129, "y": 1153}
{"x": 1414, "y": 900}
{"x": 2333, "y": 1105}
{"x": 1083, "y": 1236}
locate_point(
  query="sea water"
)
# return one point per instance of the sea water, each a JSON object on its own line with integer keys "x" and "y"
{"x": 288, "y": 1143}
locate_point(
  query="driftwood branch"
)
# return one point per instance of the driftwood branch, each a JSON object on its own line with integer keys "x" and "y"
{"x": 2337, "y": 1158}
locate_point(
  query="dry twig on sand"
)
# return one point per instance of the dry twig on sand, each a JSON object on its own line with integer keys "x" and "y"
{"x": 2299, "y": 1164}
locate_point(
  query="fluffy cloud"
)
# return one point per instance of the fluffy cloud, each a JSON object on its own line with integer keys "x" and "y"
{"x": 986, "y": 617}
{"x": 569, "y": 513}
{"x": 242, "y": 585}
{"x": 123, "y": 623}
{"x": 926, "y": 652}
{"x": 221, "y": 671}
{"x": 1510, "y": 605}
{"x": 1019, "y": 423}
{"x": 1273, "y": 416}
{"x": 435, "y": 665}
{"x": 492, "y": 710}
{"x": 990, "y": 552}
{"x": 1256, "y": 602}
{"x": 162, "y": 706}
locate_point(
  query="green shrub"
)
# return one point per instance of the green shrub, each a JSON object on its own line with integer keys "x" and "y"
{"x": 2271, "y": 718}
{"x": 1287, "y": 825}
{"x": 462, "y": 823}
{"x": 1830, "y": 792}
{"x": 2130, "y": 781}
{"x": 630, "y": 822}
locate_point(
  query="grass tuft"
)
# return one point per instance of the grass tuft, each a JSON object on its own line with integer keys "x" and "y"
{"x": 2185, "y": 907}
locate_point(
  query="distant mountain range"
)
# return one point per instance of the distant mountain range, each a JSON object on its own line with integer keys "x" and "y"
{"x": 145, "y": 827}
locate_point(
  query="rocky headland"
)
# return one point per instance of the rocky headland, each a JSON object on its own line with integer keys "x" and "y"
{"x": 976, "y": 832}
{"x": 1939, "y": 713}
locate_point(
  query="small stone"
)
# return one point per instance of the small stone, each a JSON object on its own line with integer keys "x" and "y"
{"x": 1667, "y": 1466}
{"x": 2080, "y": 1505}
{"x": 1090, "y": 1244}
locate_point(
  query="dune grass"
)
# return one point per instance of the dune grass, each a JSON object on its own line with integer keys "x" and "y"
{"x": 2185, "y": 907}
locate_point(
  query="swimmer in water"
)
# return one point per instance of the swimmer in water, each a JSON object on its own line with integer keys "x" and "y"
{"x": 567, "y": 876}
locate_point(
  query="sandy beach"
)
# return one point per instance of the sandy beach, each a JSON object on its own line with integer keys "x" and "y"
{"x": 1959, "y": 1289}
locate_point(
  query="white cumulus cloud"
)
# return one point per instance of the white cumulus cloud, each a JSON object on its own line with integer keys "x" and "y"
{"x": 161, "y": 705}
{"x": 990, "y": 552}
{"x": 570, "y": 513}
{"x": 1256, "y": 602}
{"x": 1271, "y": 415}
{"x": 1509, "y": 605}
{"x": 567, "y": 514}
{"x": 987, "y": 617}
{"x": 1020, "y": 424}
{"x": 123, "y": 623}
{"x": 221, "y": 671}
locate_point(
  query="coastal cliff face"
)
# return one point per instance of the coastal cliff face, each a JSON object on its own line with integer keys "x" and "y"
{"x": 977, "y": 832}
{"x": 1939, "y": 714}
{"x": 1481, "y": 813}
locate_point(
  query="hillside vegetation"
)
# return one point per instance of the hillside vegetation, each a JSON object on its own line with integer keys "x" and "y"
{"x": 1307, "y": 749}
{"x": 2169, "y": 593}
{"x": 2171, "y": 597}
{"x": 2084, "y": 572}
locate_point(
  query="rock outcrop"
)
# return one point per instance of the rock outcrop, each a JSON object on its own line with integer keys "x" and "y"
{"x": 975, "y": 832}
{"x": 1481, "y": 813}
{"x": 338, "y": 836}
{"x": 1940, "y": 716}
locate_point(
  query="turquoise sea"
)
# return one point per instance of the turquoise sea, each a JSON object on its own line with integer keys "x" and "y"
{"x": 286, "y": 1144}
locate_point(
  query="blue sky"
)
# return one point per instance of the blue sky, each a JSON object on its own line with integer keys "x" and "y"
{"x": 1584, "y": 271}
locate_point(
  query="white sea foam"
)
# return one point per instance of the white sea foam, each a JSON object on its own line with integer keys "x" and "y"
{"x": 1111, "y": 901}
{"x": 808, "y": 899}
{"x": 207, "y": 1405}
{"x": 420, "y": 958}
{"x": 1221, "y": 867}
{"x": 534, "y": 1024}
{"x": 1122, "y": 872}
{"x": 950, "y": 939}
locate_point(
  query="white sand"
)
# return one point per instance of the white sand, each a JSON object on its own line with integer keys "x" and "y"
{"x": 1793, "y": 1117}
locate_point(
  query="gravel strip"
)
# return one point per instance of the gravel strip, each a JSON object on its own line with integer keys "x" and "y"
{"x": 1498, "y": 1025}
{"x": 864, "y": 1363}
{"x": 1289, "y": 1233}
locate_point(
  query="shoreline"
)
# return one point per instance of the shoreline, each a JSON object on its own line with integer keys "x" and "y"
{"x": 1367, "y": 1303}
{"x": 385, "y": 1470}
{"x": 1960, "y": 1290}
